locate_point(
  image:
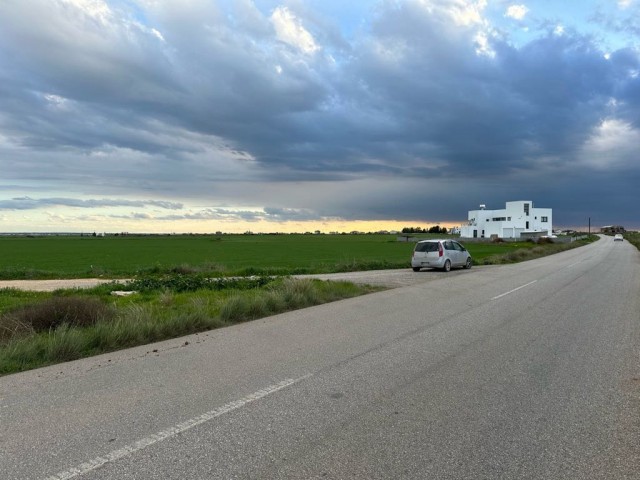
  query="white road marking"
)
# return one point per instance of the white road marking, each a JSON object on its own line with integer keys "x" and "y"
{"x": 514, "y": 290}
{"x": 127, "y": 450}
{"x": 574, "y": 264}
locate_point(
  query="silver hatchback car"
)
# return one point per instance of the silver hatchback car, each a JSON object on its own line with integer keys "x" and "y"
{"x": 443, "y": 254}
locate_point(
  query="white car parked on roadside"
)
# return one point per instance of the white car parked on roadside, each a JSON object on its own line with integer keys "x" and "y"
{"x": 443, "y": 254}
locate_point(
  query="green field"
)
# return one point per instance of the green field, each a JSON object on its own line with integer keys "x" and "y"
{"x": 42, "y": 257}
{"x": 124, "y": 256}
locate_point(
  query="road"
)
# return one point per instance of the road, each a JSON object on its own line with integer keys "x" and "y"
{"x": 527, "y": 371}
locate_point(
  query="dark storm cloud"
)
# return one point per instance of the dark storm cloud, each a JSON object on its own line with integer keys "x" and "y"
{"x": 181, "y": 96}
{"x": 28, "y": 203}
{"x": 268, "y": 214}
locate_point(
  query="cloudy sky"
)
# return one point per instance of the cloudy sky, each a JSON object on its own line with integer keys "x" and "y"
{"x": 295, "y": 115}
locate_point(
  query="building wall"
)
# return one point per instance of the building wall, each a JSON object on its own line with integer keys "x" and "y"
{"x": 509, "y": 222}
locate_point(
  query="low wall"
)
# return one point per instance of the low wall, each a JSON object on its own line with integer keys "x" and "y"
{"x": 559, "y": 239}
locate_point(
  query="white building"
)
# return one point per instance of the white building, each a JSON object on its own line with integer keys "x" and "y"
{"x": 517, "y": 219}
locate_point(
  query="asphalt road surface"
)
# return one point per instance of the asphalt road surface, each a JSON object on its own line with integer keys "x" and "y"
{"x": 528, "y": 371}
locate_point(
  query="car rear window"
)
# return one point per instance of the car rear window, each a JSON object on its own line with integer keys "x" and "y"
{"x": 427, "y": 247}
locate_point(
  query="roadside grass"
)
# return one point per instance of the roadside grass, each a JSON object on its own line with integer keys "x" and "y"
{"x": 633, "y": 238}
{"x": 44, "y": 329}
{"x": 523, "y": 251}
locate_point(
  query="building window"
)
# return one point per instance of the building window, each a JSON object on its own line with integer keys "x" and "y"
{"x": 526, "y": 209}
{"x": 544, "y": 219}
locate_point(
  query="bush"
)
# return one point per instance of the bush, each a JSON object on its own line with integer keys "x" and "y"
{"x": 11, "y": 327}
{"x": 180, "y": 283}
{"x": 53, "y": 312}
{"x": 544, "y": 241}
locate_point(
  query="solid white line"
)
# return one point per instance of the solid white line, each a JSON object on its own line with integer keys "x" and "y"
{"x": 127, "y": 450}
{"x": 514, "y": 290}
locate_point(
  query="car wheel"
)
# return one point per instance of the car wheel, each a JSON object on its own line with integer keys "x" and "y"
{"x": 469, "y": 263}
{"x": 416, "y": 269}
{"x": 447, "y": 266}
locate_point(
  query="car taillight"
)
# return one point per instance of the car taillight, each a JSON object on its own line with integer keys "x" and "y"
{"x": 440, "y": 250}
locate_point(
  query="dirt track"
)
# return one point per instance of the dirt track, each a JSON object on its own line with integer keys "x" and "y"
{"x": 386, "y": 278}
{"x": 51, "y": 285}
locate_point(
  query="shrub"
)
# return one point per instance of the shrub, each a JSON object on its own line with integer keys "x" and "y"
{"x": 11, "y": 327}
{"x": 544, "y": 241}
{"x": 53, "y": 312}
{"x": 180, "y": 283}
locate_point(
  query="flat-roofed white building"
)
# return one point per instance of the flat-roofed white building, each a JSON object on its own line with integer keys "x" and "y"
{"x": 518, "y": 219}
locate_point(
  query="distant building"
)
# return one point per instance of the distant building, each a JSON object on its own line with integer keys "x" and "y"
{"x": 612, "y": 229}
{"x": 518, "y": 219}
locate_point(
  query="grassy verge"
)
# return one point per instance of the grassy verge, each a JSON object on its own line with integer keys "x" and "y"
{"x": 633, "y": 238}
{"x": 529, "y": 251}
{"x": 39, "y": 329}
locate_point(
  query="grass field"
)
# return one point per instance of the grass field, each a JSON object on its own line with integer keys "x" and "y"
{"x": 42, "y": 257}
{"x": 125, "y": 256}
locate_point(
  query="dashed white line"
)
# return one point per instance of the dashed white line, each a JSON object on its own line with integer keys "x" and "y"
{"x": 574, "y": 264}
{"x": 97, "y": 462}
{"x": 514, "y": 290}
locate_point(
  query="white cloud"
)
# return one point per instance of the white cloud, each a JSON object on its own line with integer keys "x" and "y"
{"x": 612, "y": 143}
{"x": 624, "y": 3}
{"x": 467, "y": 13}
{"x": 97, "y": 9}
{"x": 517, "y": 12}
{"x": 482, "y": 45}
{"x": 289, "y": 30}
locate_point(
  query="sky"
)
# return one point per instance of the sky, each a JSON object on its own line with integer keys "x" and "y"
{"x": 176, "y": 116}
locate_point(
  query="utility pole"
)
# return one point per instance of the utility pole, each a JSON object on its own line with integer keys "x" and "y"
{"x": 589, "y": 227}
